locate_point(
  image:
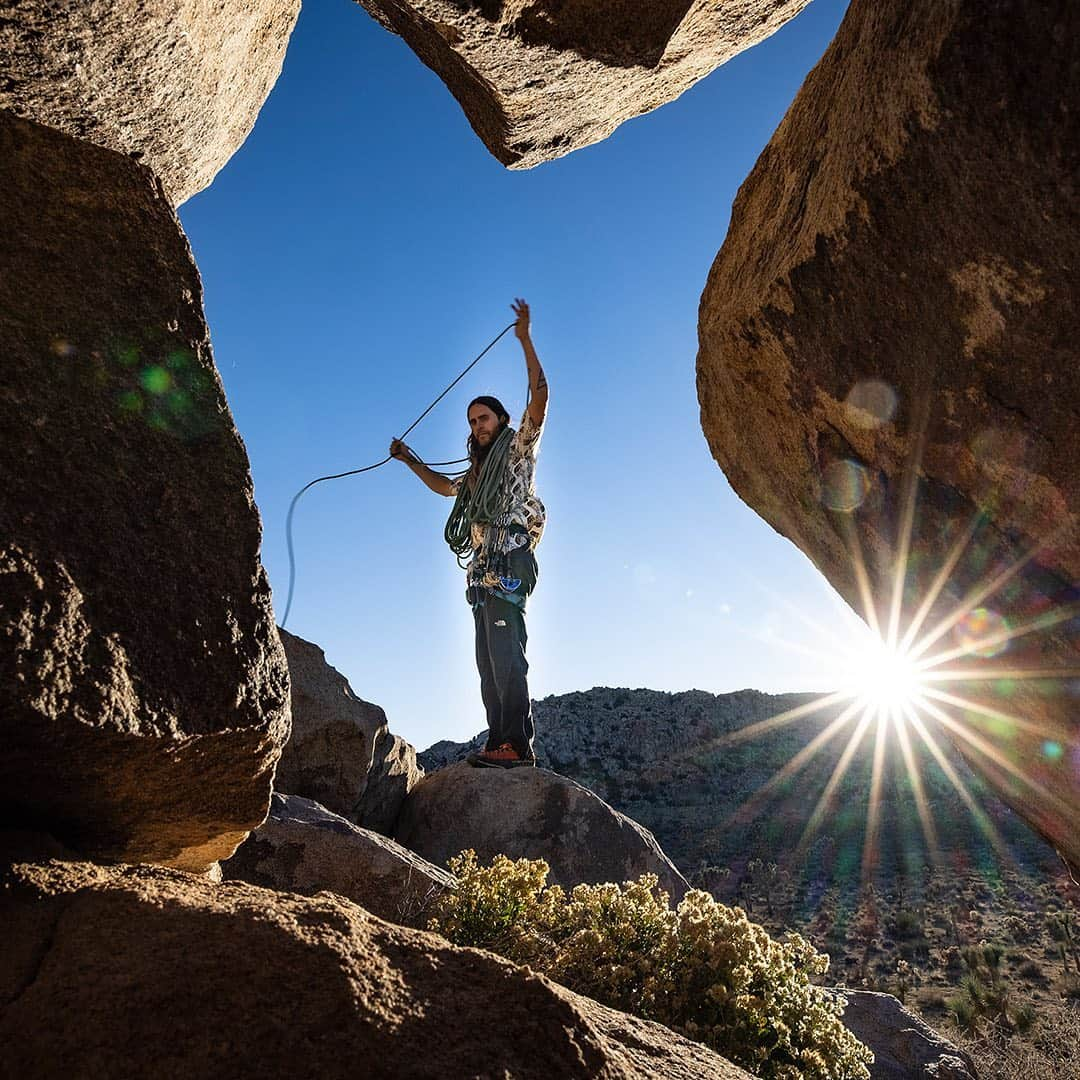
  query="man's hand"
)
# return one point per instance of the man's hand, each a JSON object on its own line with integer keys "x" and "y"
{"x": 521, "y": 327}
{"x": 401, "y": 452}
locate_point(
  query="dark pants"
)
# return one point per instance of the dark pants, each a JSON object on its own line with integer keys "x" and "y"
{"x": 500, "y": 658}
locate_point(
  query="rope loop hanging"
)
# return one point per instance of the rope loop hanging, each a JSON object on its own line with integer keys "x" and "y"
{"x": 378, "y": 464}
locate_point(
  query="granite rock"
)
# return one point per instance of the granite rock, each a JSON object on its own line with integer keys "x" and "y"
{"x": 341, "y": 753}
{"x": 175, "y": 85}
{"x": 887, "y": 369}
{"x": 145, "y": 690}
{"x": 540, "y": 78}
{"x": 303, "y": 848}
{"x": 137, "y": 970}
{"x": 531, "y": 813}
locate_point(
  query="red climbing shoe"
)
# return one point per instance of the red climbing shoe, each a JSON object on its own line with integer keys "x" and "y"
{"x": 502, "y": 757}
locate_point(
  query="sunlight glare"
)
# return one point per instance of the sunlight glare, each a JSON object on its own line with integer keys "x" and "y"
{"x": 885, "y": 678}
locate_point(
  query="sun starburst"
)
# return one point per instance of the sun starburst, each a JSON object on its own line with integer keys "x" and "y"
{"x": 931, "y": 661}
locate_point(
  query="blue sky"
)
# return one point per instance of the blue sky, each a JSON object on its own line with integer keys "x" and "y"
{"x": 362, "y": 247}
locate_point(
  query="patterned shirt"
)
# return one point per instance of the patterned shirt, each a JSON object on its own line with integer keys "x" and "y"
{"x": 525, "y": 516}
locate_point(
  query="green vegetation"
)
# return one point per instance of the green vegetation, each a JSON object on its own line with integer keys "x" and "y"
{"x": 702, "y": 969}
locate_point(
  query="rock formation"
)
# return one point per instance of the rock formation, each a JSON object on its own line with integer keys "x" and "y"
{"x": 133, "y": 971}
{"x": 904, "y": 1047}
{"x": 894, "y": 301}
{"x": 341, "y": 753}
{"x": 535, "y": 814}
{"x": 539, "y": 78}
{"x": 303, "y": 848}
{"x": 144, "y": 686}
{"x": 177, "y": 86}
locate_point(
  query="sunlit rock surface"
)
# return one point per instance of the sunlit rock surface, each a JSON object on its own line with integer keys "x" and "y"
{"x": 139, "y": 971}
{"x": 540, "y": 78}
{"x": 144, "y": 690}
{"x": 341, "y": 753}
{"x": 898, "y": 291}
{"x": 176, "y": 85}
{"x": 535, "y": 814}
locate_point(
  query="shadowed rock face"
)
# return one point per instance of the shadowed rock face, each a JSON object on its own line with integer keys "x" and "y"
{"x": 144, "y": 689}
{"x": 905, "y": 1048}
{"x": 897, "y": 299}
{"x": 192, "y": 979}
{"x": 177, "y": 85}
{"x": 539, "y": 78}
{"x": 341, "y": 753}
{"x": 302, "y": 847}
{"x": 534, "y": 814}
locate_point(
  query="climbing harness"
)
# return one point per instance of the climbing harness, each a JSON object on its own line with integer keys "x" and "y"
{"x": 378, "y": 464}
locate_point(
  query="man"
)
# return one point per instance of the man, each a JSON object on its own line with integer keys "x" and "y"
{"x": 496, "y": 522}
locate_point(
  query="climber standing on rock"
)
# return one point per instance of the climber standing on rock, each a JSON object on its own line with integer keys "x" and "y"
{"x": 495, "y": 525}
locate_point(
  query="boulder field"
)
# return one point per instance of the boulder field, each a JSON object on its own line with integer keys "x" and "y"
{"x": 887, "y": 369}
{"x": 895, "y": 300}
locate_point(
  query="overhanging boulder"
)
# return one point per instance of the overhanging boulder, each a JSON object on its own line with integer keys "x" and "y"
{"x": 144, "y": 689}
{"x": 539, "y": 78}
{"x": 889, "y": 327}
{"x": 177, "y": 86}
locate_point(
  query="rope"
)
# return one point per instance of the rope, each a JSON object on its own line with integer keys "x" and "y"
{"x": 484, "y": 502}
{"x": 378, "y": 464}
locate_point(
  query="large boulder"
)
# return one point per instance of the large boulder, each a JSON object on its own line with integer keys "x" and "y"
{"x": 140, "y": 971}
{"x": 145, "y": 692}
{"x": 177, "y": 86}
{"x": 539, "y": 78}
{"x": 905, "y": 1047}
{"x": 341, "y": 753}
{"x": 303, "y": 848}
{"x": 534, "y": 814}
{"x": 888, "y": 371}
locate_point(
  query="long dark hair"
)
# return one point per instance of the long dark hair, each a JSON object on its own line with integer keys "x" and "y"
{"x": 477, "y": 453}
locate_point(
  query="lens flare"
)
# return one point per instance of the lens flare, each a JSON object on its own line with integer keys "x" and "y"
{"x": 870, "y": 403}
{"x": 844, "y": 486}
{"x": 983, "y": 633}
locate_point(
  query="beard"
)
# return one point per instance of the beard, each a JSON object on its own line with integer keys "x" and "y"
{"x": 479, "y": 453}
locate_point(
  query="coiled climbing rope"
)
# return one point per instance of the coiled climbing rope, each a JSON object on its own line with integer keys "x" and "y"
{"x": 485, "y": 502}
{"x": 379, "y": 464}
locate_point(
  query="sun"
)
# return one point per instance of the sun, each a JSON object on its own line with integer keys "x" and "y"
{"x": 885, "y": 678}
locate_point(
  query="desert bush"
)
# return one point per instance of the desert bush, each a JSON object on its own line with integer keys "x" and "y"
{"x": 984, "y": 994}
{"x": 907, "y": 924}
{"x": 702, "y": 969}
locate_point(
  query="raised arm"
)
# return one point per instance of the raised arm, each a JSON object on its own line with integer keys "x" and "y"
{"x": 438, "y": 482}
{"x": 538, "y": 387}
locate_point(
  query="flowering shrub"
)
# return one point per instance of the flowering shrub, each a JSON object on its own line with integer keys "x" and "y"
{"x": 702, "y": 969}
